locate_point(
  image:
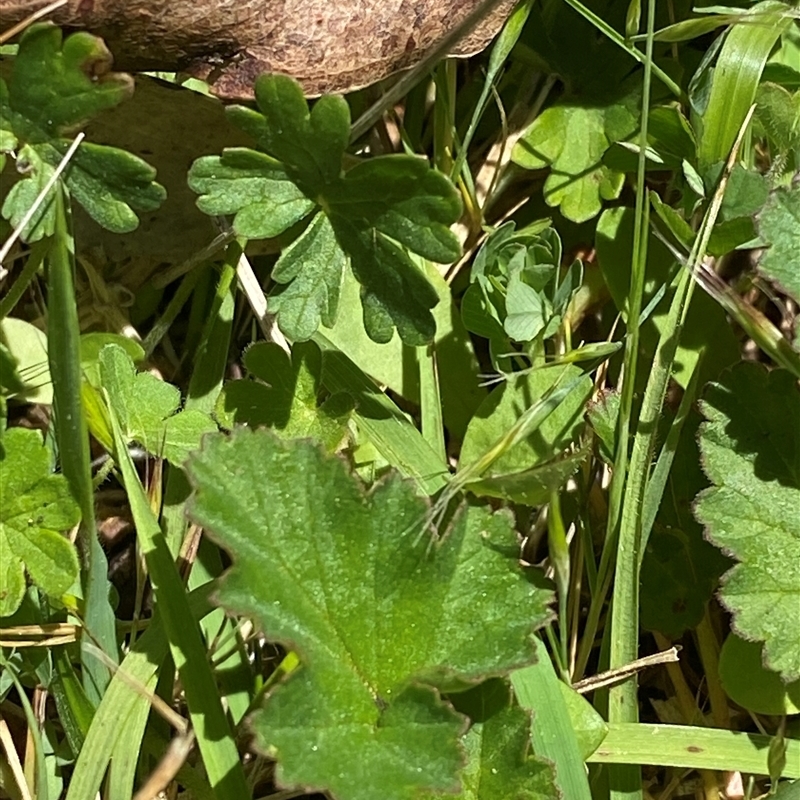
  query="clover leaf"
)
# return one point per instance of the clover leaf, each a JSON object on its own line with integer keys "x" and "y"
{"x": 37, "y": 507}
{"x": 380, "y": 617}
{"x": 367, "y": 217}
{"x": 751, "y": 453}
{"x": 56, "y": 87}
{"x": 147, "y": 408}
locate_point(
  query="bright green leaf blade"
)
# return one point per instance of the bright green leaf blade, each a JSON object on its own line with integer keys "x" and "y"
{"x": 736, "y": 77}
{"x": 252, "y": 186}
{"x": 111, "y": 184}
{"x": 312, "y": 266}
{"x": 691, "y": 748}
{"x": 552, "y": 734}
{"x": 282, "y": 393}
{"x": 571, "y": 138}
{"x": 751, "y": 454}
{"x": 504, "y": 406}
{"x": 402, "y": 197}
{"x": 779, "y": 224}
{"x": 368, "y": 606}
{"x": 37, "y": 506}
{"x": 22, "y": 195}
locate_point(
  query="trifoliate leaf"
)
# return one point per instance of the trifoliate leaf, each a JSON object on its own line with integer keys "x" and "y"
{"x": 367, "y": 217}
{"x": 147, "y": 408}
{"x": 779, "y": 224}
{"x": 283, "y": 394}
{"x": 571, "y": 137}
{"x": 378, "y": 614}
{"x": 252, "y": 186}
{"x": 56, "y": 87}
{"x": 37, "y": 507}
{"x": 751, "y": 453}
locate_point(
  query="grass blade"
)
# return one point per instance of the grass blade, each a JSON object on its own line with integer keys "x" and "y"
{"x": 210, "y": 724}
{"x": 72, "y": 434}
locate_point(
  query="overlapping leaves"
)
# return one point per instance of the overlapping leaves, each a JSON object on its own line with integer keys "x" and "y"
{"x": 367, "y": 217}
{"x": 56, "y": 87}
{"x": 379, "y": 615}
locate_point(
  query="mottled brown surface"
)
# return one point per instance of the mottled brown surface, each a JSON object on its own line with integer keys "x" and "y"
{"x": 328, "y": 45}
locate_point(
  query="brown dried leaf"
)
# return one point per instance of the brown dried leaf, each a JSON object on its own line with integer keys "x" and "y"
{"x": 327, "y": 46}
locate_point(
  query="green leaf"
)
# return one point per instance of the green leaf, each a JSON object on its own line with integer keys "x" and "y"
{"x": 571, "y": 137}
{"x": 749, "y": 683}
{"x": 283, "y": 394}
{"x": 503, "y": 407}
{"x": 499, "y": 759}
{"x": 253, "y": 187}
{"x": 779, "y": 225}
{"x": 55, "y": 89}
{"x": 403, "y": 198}
{"x": 368, "y": 216}
{"x": 29, "y": 377}
{"x": 146, "y": 408}
{"x": 312, "y": 266}
{"x": 751, "y": 453}
{"x": 37, "y": 506}
{"x": 680, "y": 570}
{"x": 378, "y": 617}
{"x": 778, "y": 112}
{"x": 309, "y": 143}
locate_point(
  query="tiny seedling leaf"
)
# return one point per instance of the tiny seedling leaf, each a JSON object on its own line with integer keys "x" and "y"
{"x": 380, "y": 617}
{"x": 751, "y": 453}
{"x": 56, "y": 87}
{"x": 37, "y": 507}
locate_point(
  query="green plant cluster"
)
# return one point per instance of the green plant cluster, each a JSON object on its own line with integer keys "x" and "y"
{"x": 419, "y": 542}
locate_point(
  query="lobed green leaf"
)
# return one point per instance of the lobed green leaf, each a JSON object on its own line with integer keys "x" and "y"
{"x": 378, "y": 617}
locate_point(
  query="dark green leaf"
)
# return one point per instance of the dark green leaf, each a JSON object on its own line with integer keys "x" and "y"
{"x": 56, "y": 87}
{"x": 309, "y": 143}
{"x": 312, "y": 266}
{"x": 402, "y": 197}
